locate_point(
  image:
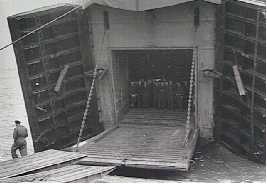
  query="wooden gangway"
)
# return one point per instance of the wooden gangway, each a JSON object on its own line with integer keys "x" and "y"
{"x": 49, "y": 166}
{"x": 144, "y": 139}
{"x": 37, "y": 161}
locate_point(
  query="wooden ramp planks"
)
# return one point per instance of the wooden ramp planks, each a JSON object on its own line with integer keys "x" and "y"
{"x": 36, "y": 161}
{"x": 71, "y": 173}
{"x": 144, "y": 146}
{"x": 122, "y": 179}
{"x": 154, "y": 117}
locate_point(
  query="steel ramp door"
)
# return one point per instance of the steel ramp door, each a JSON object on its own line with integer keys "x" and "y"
{"x": 142, "y": 145}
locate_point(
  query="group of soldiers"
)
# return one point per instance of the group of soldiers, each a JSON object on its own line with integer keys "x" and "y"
{"x": 158, "y": 93}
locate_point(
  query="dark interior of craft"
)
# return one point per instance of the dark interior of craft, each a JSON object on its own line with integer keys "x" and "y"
{"x": 157, "y": 79}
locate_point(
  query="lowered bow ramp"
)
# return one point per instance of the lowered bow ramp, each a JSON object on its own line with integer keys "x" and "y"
{"x": 143, "y": 145}
{"x": 50, "y": 166}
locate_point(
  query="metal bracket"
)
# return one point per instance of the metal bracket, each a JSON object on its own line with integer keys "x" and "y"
{"x": 211, "y": 73}
{"x": 61, "y": 77}
{"x": 100, "y": 73}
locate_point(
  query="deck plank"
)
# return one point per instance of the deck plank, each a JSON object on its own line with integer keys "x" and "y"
{"x": 36, "y": 161}
{"x": 122, "y": 179}
{"x": 154, "y": 117}
{"x": 65, "y": 174}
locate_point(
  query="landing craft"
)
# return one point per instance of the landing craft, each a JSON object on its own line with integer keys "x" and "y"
{"x": 137, "y": 85}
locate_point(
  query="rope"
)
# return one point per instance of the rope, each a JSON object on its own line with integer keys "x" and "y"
{"x": 39, "y": 28}
{"x": 187, "y": 128}
{"x": 87, "y": 108}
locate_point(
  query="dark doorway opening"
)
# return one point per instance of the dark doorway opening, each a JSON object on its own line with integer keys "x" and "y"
{"x": 159, "y": 78}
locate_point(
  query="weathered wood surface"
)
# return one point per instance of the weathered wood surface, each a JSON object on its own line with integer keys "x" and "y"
{"x": 155, "y": 117}
{"x": 35, "y": 162}
{"x": 142, "y": 145}
{"x": 84, "y": 145}
{"x": 122, "y": 179}
{"x": 71, "y": 173}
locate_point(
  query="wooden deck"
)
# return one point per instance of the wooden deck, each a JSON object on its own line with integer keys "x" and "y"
{"x": 154, "y": 117}
{"x": 122, "y": 179}
{"x": 36, "y": 162}
{"x": 144, "y": 139}
{"x": 70, "y": 173}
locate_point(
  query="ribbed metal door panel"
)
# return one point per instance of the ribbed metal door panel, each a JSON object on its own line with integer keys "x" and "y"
{"x": 243, "y": 118}
{"x": 55, "y": 117}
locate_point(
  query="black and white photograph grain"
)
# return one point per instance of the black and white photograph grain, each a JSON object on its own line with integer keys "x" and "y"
{"x": 126, "y": 91}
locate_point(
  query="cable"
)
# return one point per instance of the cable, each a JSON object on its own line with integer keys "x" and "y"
{"x": 39, "y": 28}
{"x": 89, "y": 98}
{"x": 88, "y": 105}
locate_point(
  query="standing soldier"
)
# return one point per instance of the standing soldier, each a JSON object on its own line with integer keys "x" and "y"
{"x": 145, "y": 95}
{"x": 140, "y": 90}
{"x": 170, "y": 96}
{"x": 155, "y": 93}
{"x": 166, "y": 88}
{"x": 19, "y": 135}
{"x": 162, "y": 95}
{"x": 133, "y": 95}
{"x": 179, "y": 95}
{"x": 150, "y": 91}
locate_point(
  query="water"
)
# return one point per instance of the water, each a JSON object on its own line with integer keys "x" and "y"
{"x": 11, "y": 108}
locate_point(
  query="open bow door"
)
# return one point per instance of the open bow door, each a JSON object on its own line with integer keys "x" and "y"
{"x": 53, "y": 73}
